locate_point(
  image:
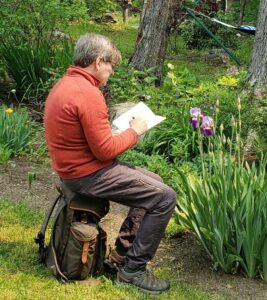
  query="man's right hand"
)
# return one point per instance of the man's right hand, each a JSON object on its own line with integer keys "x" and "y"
{"x": 139, "y": 125}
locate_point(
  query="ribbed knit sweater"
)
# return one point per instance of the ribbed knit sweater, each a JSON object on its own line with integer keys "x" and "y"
{"x": 77, "y": 129}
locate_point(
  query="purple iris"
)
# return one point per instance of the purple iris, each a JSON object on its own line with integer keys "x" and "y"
{"x": 195, "y": 114}
{"x": 207, "y": 126}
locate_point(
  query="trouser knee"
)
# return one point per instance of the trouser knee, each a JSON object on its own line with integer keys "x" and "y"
{"x": 172, "y": 196}
{"x": 168, "y": 202}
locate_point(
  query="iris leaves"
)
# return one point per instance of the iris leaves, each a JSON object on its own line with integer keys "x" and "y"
{"x": 227, "y": 210}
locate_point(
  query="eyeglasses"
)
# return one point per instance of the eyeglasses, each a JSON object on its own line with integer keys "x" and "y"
{"x": 113, "y": 66}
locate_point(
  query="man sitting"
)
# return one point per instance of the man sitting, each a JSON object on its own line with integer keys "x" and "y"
{"x": 84, "y": 150}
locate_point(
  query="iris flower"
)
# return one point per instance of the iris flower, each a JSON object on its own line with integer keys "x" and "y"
{"x": 195, "y": 114}
{"x": 207, "y": 126}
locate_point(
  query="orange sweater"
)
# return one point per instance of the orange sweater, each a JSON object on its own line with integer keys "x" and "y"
{"x": 77, "y": 129}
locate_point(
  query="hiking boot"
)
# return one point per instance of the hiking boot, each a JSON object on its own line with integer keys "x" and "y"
{"x": 116, "y": 259}
{"x": 143, "y": 280}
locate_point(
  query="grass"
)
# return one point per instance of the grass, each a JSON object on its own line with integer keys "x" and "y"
{"x": 124, "y": 36}
{"x": 22, "y": 277}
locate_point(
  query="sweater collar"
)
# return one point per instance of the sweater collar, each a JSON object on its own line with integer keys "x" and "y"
{"x": 74, "y": 70}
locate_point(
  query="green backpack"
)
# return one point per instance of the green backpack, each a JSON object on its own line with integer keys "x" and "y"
{"x": 77, "y": 246}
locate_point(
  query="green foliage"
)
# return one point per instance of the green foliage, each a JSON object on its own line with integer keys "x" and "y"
{"x": 180, "y": 91}
{"x": 98, "y": 7}
{"x": 227, "y": 213}
{"x": 169, "y": 138}
{"x": 174, "y": 229}
{"x": 226, "y": 206}
{"x": 195, "y": 37}
{"x": 31, "y": 176}
{"x": 32, "y": 21}
{"x": 251, "y": 11}
{"x": 38, "y": 149}
{"x": 172, "y": 139}
{"x": 16, "y": 131}
{"x": 5, "y": 154}
{"x": 129, "y": 84}
{"x": 31, "y": 66}
{"x": 225, "y": 90}
{"x": 260, "y": 144}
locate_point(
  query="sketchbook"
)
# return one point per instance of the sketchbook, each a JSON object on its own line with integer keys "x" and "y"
{"x": 140, "y": 109}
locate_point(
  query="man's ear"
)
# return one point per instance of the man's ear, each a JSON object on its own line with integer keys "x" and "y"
{"x": 97, "y": 62}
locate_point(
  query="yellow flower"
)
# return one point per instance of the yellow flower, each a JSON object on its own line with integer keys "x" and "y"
{"x": 228, "y": 81}
{"x": 9, "y": 110}
{"x": 170, "y": 66}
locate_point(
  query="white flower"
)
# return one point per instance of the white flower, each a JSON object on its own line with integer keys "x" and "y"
{"x": 13, "y": 91}
{"x": 170, "y": 66}
{"x": 170, "y": 75}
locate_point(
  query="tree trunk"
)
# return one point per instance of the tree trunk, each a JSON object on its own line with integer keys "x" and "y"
{"x": 125, "y": 12}
{"x": 242, "y": 11}
{"x": 258, "y": 65}
{"x": 157, "y": 20}
{"x": 125, "y": 6}
{"x": 228, "y": 5}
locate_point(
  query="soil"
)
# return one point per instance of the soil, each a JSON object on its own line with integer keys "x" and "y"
{"x": 182, "y": 255}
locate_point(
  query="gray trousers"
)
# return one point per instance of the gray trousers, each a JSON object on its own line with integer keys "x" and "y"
{"x": 151, "y": 205}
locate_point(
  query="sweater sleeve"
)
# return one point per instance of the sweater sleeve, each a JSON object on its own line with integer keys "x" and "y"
{"x": 93, "y": 114}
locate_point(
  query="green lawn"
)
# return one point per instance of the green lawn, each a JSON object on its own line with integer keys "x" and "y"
{"x": 124, "y": 36}
{"x": 22, "y": 277}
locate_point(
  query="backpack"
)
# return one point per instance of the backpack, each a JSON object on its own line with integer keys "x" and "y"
{"x": 77, "y": 246}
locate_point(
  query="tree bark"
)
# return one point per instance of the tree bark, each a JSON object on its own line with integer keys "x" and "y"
{"x": 258, "y": 65}
{"x": 125, "y": 13}
{"x": 125, "y": 5}
{"x": 242, "y": 12}
{"x": 157, "y": 20}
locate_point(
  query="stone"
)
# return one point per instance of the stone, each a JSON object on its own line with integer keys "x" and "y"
{"x": 106, "y": 18}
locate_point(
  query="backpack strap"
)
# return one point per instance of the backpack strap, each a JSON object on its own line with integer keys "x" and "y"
{"x": 64, "y": 241}
{"x": 57, "y": 271}
{"x": 41, "y": 234}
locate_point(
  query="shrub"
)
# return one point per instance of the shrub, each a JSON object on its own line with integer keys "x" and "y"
{"x": 98, "y": 7}
{"x": 195, "y": 37}
{"x": 32, "y": 21}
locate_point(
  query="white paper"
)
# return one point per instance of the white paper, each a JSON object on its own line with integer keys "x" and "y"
{"x": 140, "y": 109}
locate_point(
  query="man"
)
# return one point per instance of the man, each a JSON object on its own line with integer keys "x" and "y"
{"x": 83, "y": 152}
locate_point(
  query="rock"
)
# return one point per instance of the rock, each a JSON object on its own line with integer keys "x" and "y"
{"x": 117, "y": 109}
{"x": 56, "y": 33}
{"x": 106, "y": 18}
{"x": 216, "y": 55}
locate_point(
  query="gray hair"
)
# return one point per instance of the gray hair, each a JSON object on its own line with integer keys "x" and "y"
{"x": 91, "y": 46}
